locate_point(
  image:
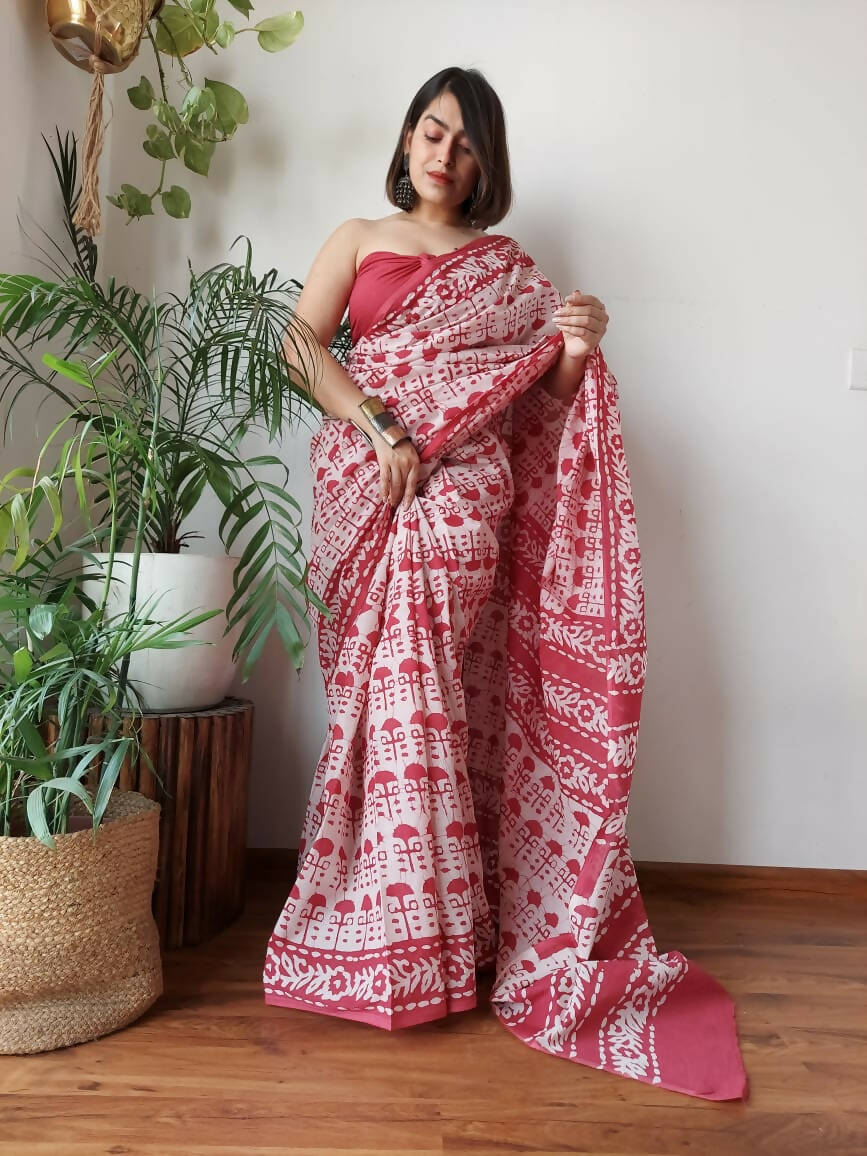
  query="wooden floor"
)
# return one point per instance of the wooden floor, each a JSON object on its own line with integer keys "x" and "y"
{"x": 210, "y": 1069}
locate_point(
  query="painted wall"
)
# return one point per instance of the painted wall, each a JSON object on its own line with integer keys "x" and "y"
{"x": 701, "y": 167}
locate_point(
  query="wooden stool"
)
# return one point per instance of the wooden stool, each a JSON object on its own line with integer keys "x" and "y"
{"x": 203, "y": 760}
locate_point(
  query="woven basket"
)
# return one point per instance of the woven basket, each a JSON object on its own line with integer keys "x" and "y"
{"x": 79, "y": 950}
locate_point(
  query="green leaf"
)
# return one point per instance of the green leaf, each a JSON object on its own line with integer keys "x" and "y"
{"x": 286, "y": 629}
{"x": 262, "y": 616}
{"x": 253, "y": 654}
{"x": 278, "y": 32}
{"x": 264, "y": 587}
{"x": 78, "y": 474}
{"x": 241, "y": 521}
{"x": 197, "y": 155}
{"x": 199, "y": 102}
{"x": 158, "y": 145}
{"x": 232, "y": 108}
{"x": 137, "y": 203}
{"x": 75, "y": 370}
{"x": 188, "y": 495}
{"x": 21, "y": 525}
{"x": 33, "y": 768}
{"x": 245, "y": 7}
{"x": 90, "y": 752}
{"x": 31, "y": 737}
{"x": 225, "y": 34}
{"x": 178, "y": 32}
{"x": 253, "y": 545}
{"x": 61, "y": 650}
{"x": 168, "y": 116}
{"x": 109, "y": 776}
{"x": 36, "y": 806}
{"x": 102, "y": 363}
{"x": 15, "y": 289}
{"x": 40, "y": 621}
{"x": 141, "y": 96}
{"x": 176, "y": 202}
{"x": 52, "y": 496}
{"x": 22, "y": 664}
{"x": 175, "y": 635}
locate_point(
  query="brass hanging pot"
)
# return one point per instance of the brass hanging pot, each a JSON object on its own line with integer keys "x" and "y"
{"x": 99, "y": 36}
{"x": 110, "y": 31}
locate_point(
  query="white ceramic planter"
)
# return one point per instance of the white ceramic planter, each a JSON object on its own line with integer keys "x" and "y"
{"x": 191, "y": 677}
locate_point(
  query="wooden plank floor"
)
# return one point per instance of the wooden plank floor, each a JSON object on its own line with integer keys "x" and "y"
{"x": 211, "y": 1070}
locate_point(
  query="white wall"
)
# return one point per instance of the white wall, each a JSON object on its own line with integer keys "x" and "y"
{"x": 700, "y": 166}
{"x": 39, "y": 90}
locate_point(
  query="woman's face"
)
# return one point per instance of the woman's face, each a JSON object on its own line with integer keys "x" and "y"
{"x": 439, "y": 145}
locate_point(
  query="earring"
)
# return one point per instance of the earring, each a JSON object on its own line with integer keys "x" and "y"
{"x": 404, "y": 190}
{"x": 471, "y": 207}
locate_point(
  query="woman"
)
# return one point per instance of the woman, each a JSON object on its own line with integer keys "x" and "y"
{"x": 484, "y": 658}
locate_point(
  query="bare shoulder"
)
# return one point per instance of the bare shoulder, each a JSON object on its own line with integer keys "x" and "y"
{"x": 381, "y": 233}
{"x": 325, "y": 293}
{"x": 342, "y": 243}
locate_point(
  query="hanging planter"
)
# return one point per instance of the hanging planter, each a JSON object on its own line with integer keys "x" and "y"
{"x": 105, "y": 35}
{"x": 100, "y": 36}
{"x": 110, "y": 30}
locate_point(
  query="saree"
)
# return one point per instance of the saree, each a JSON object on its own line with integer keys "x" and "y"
{"x": 484, "y": 661}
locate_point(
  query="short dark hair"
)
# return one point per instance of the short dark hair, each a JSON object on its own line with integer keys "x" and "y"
{"x": 485, "y": 126}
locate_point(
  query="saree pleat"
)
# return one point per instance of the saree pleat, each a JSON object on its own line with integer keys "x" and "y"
{"x": 484, "y": 668}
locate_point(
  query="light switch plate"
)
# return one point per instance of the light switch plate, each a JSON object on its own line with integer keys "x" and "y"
{"x": 858, "y": 368}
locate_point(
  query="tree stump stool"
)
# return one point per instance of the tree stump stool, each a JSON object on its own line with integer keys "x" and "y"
{"x": 203, "y": 760}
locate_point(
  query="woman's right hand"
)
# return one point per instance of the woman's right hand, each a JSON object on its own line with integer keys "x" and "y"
{"x": 399, "y": 469}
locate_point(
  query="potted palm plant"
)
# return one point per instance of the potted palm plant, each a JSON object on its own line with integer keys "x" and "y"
{"x": 184, "y": 380}
{"x": 156, "y": 396}
{"x": 79, "y": 951}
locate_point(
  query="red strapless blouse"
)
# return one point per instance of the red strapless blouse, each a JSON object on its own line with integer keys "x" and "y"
{"x": 383, "y": 279}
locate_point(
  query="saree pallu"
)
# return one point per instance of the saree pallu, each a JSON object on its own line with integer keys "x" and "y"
{"x": 484, "y": 665}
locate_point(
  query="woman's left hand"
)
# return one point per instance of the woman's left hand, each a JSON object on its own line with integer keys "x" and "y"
{"x": 582, "y": 320}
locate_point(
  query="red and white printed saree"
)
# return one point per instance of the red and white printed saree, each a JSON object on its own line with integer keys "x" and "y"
{"x": 484, "y": 669}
